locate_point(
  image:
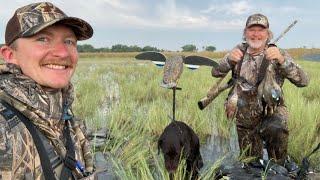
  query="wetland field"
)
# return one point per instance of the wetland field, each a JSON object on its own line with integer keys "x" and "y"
{"x": 123, "y": 95}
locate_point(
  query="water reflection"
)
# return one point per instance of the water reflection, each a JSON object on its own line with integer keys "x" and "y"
{"x": 311, "y": 57}
{"x": 218, "y": 147}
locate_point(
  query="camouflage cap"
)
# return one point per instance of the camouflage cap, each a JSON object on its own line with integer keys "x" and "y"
{"x": 257, "y": 19}
{"x": 32, "y": 18}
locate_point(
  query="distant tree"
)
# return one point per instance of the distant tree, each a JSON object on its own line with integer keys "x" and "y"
{"x": 125, "y": 48}
{"x": 115, "y": 48}
{"x": 149, "y": 48}
{"x": 85, "y": 48}
{"x": 104, "y": 49}
{"x": 210, "y": 48}
{"x": 120, "y": 48}
{"x": 189, "y": 48}
{"x": 134, "y": 48}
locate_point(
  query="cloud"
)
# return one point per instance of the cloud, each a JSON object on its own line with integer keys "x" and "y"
{"x": 172, "y": 16}
{"x": 164, "y": 14}
{"x": 105, "y": 12}
{"x": 233, "y": 8}
{"x": 289, "y": 9}
{"x": 122, "y": 5}
{"x": 241, "y": 7}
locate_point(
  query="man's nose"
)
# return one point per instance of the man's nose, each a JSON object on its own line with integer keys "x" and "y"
{"x": 257, "y": 33}
{"x": 60, "y": 50}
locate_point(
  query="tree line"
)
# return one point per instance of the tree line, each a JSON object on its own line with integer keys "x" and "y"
{"x": 135, "y": 48}
{"x": 116, "y": 48}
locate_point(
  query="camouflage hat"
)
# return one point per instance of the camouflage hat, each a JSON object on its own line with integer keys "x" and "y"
{"x": 257, "y": 19}
{"x": 32, "y": 18}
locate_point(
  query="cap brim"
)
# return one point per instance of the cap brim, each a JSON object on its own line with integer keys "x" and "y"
{"x": 81, "y": 28}
{"x": 256, "y": 24}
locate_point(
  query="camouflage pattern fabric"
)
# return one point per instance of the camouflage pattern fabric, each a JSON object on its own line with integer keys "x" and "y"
{"x": 273, "y": 130}
{"x": 257, "y": 19}
{"x": 18, "y": 155}
{"x": 32, "y": 18}
{"x": 249, "y": 108}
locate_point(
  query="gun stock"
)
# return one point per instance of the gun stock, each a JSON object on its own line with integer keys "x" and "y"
{"x": 213, "y": 93}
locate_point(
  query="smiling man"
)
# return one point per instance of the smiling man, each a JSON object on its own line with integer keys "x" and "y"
{"x": 246, "y": 61}
{"x": 39, "y": 137}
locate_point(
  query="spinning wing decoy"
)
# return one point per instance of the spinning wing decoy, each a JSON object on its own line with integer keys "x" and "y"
{"x": 200, "y": 61}
{"x": 172, "y": 71}
{"x": 157, "y": 58}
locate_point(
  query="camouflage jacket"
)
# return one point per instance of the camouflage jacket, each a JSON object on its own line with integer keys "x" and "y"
{"x": 18, "y": 155}
{"x": 248, "y": 76}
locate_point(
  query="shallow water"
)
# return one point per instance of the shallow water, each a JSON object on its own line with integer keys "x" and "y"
{"x": 218, "y": 147}
{"x": 311, "y": 57}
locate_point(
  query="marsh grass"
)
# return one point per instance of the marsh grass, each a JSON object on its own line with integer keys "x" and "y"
{"x": 294, "y": 52}
{"x": 136, "y": 122}
{"x": 217, "y": 54}
{"x": 300, "y": 52}
{"x": 303, "y": 105}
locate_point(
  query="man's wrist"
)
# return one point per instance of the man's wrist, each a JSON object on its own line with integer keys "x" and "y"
{"x": 231, "y": 62}
{"x": 281, "y": 60}
{"x": 284, "y": 64}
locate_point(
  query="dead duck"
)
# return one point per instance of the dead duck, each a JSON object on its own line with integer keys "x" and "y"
{"x": 269, "y": 91}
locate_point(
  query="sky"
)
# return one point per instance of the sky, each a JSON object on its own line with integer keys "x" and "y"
{"x": 171, "y": 24}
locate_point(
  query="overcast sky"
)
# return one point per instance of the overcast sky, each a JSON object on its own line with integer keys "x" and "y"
{"x": 170, "y": 24}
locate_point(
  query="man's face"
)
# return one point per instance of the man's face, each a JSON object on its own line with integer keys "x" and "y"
{"x": 49, "y": 57}
{"x": 256, "y": 36}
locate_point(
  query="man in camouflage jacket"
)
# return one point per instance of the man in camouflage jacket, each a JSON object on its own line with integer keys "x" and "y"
{"x": 40, "y": 52}
{"x": 243, "y": 102}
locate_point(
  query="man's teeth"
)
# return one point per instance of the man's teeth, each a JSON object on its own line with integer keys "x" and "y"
{"x": 53, "y": 66}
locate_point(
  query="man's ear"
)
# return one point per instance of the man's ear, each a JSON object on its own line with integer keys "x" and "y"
{"x": 7, "y": 54}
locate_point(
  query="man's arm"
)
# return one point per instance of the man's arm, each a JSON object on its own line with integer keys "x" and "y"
{"x": 293, "y": 71}
{"x": 18, "y": 155}
{"x": 81, "y": 132}
{"x": 229, "y": 61}
{"x": 6, "y": 156}
{"x": 223, "y": 68}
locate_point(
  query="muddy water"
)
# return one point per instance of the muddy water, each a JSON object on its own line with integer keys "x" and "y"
{"x": 218, "y": 147}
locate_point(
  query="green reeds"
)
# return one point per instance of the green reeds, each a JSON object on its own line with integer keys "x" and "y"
{"x": 137, "y": 117}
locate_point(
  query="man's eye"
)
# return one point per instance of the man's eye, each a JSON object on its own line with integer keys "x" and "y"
{"x": 42, "y": 39}
{"x": 70, "y": 42}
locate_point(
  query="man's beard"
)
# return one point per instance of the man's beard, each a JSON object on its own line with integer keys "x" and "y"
{"x": 257, "y": 44}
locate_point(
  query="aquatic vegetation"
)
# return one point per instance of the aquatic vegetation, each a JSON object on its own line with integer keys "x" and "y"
{"x": 124, "y": 96}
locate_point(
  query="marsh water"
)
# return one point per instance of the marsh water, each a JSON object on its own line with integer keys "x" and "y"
{"x": 312, "y": 57}
{"x": 218, "y": 148}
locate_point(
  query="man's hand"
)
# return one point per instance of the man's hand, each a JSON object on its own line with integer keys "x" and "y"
{"x": 273, "y": 53}
{"x": 235, "y": 55}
